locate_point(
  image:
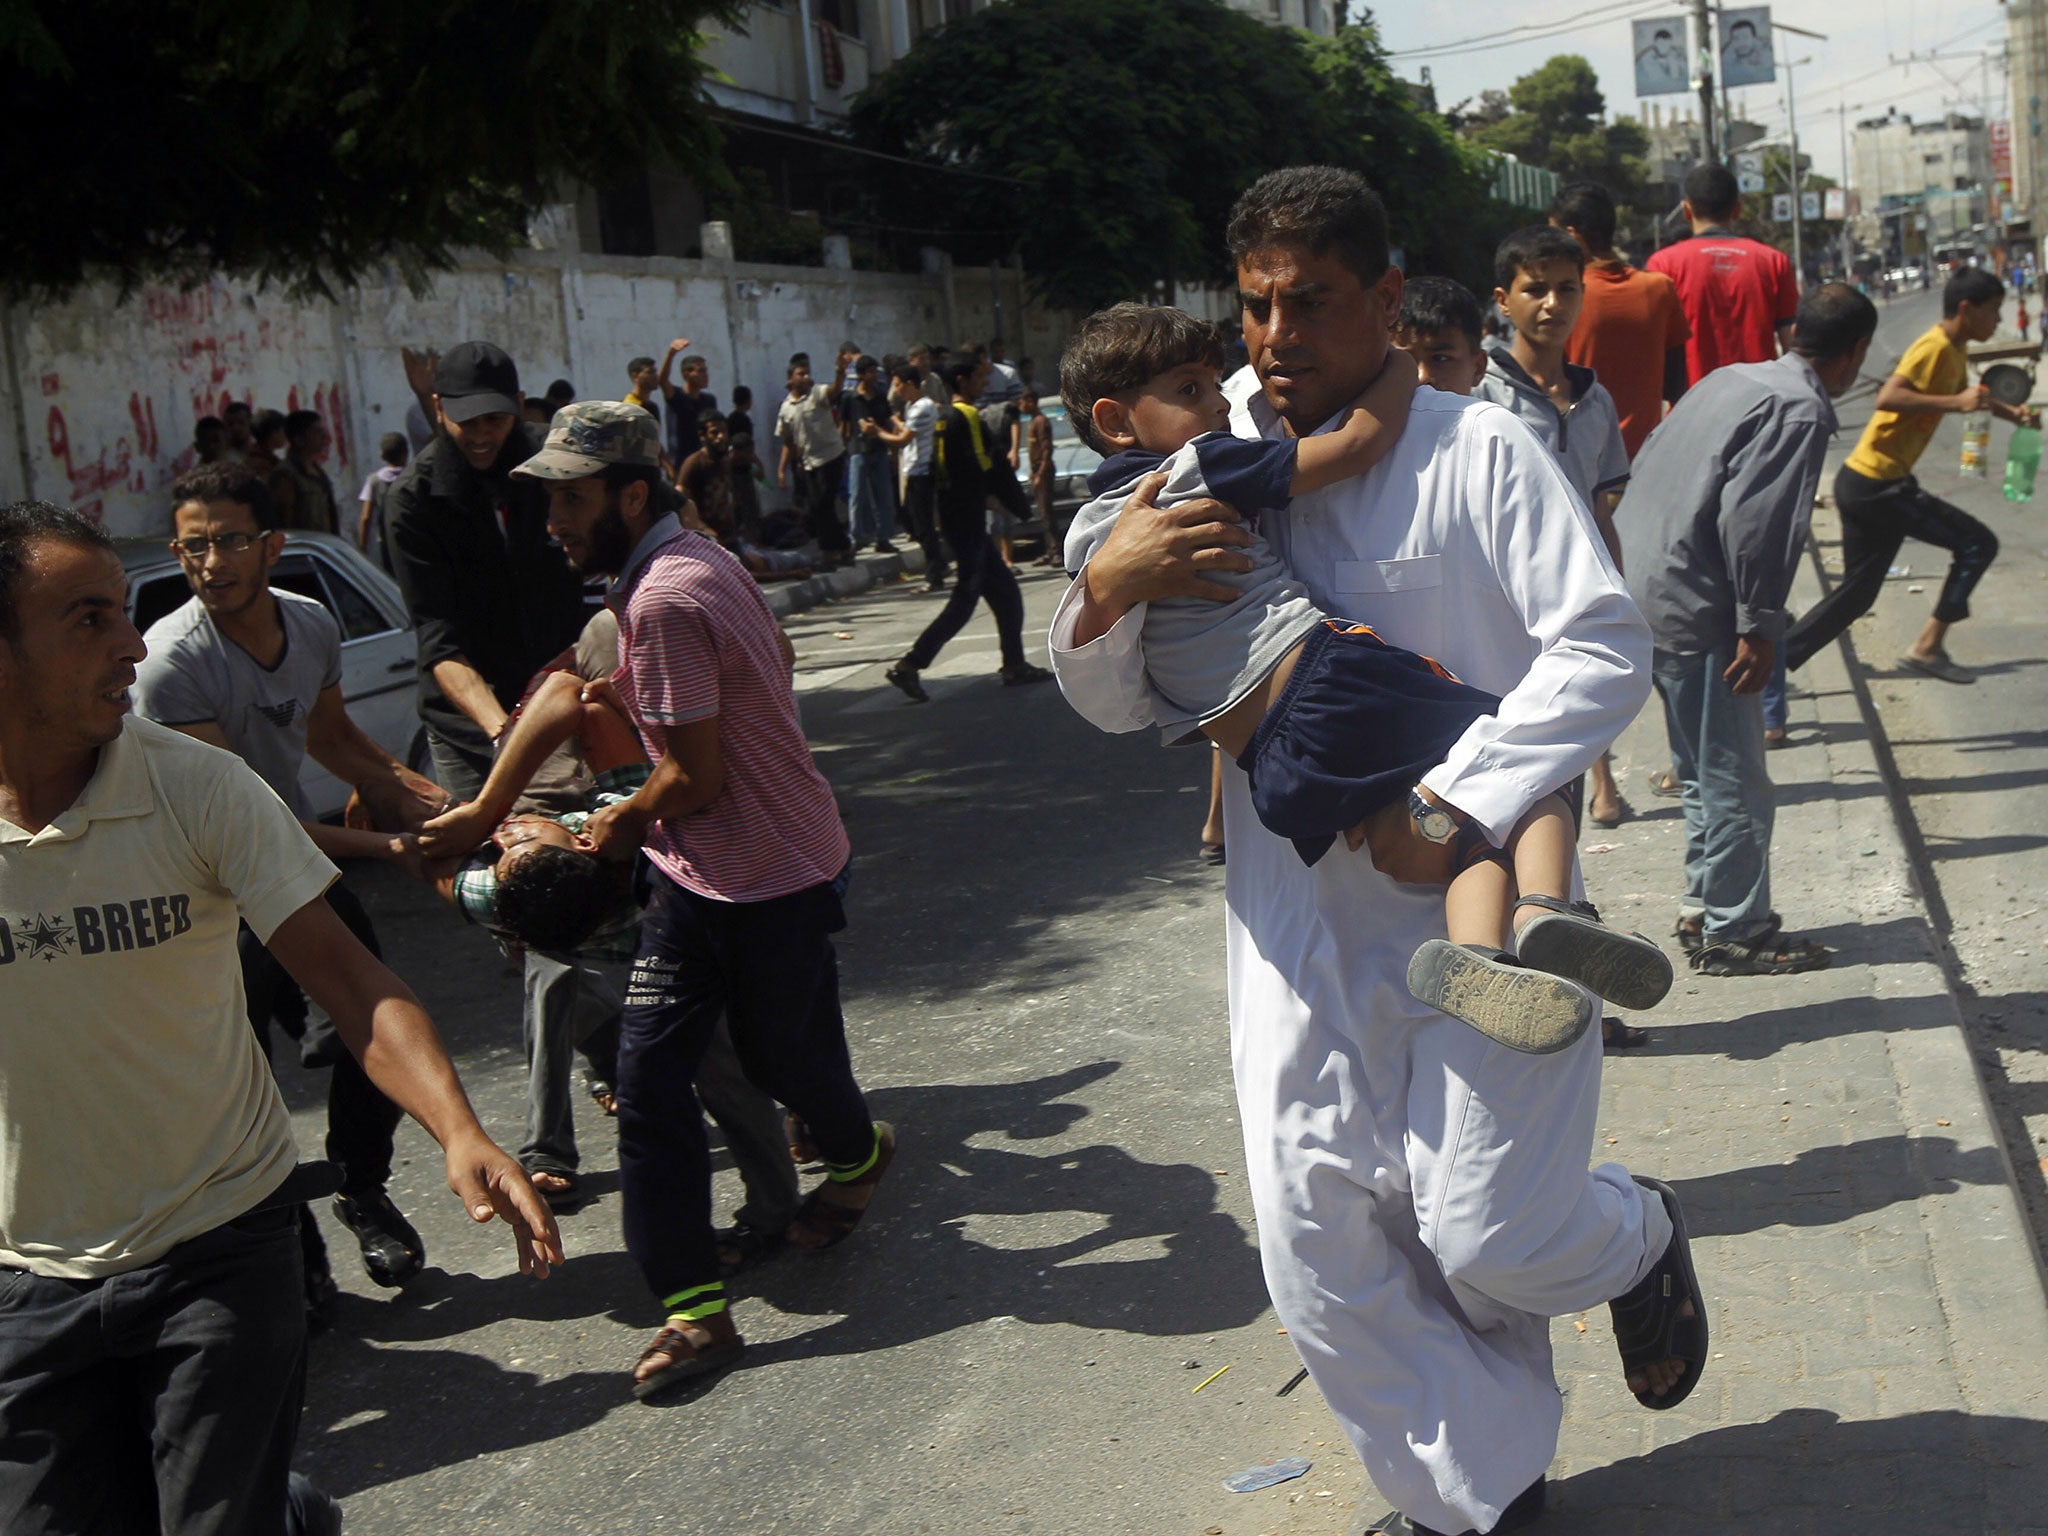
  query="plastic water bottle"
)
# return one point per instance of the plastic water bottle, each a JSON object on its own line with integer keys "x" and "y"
{"x": 1976, "y": 463}
{"x": 2022, "y": 463}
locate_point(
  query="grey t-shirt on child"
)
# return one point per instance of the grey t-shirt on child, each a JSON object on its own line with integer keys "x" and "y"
{"x": 194, "y": 673}
{"x": 1202, "y": 656}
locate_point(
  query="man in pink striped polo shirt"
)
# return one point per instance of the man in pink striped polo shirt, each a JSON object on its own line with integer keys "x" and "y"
{"x": 747, "y": 863}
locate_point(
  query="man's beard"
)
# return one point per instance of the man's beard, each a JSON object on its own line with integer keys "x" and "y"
{"x": 609, "y": 541}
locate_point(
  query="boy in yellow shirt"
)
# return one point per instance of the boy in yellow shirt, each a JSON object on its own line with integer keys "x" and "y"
{"x": 1882, "y": 504}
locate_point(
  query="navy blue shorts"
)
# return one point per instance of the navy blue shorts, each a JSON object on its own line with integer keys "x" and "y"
{"x": 1358, "y": 724}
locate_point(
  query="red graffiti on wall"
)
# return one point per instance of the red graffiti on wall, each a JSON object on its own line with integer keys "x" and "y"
{"x": 222, "y": 344}
{"x": 107, "y": 470}
{"x": 143, "y": 413}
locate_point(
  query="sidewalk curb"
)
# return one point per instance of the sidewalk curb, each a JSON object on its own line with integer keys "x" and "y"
{"x": 1980, "y": 1246}
{"x": 788, "y": 598}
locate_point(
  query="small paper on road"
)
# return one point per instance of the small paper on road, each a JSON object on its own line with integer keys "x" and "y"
{"x": 1266, "y": 1474}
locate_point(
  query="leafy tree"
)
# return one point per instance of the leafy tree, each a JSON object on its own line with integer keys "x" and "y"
{"x": 1110, "y": 137}
{"x": 1437, "y": 187}
{"x": 309, "y": 142}
{"x": 1125, "y": 129}
{"x": 1468, "y": 119}
{"x": 1557, "y": 123}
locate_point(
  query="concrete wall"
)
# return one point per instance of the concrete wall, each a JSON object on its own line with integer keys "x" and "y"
{"x": 98, "y": 397}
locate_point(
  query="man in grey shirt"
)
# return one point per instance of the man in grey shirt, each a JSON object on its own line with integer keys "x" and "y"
{"x": 257, "y": 672}
{"x": 1717, "y": 515}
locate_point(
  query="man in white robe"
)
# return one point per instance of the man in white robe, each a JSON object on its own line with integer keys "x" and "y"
{"x": 1423, "y": 1196}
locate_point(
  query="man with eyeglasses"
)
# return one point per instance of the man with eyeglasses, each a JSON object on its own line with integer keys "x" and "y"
{"x": 257, "y": 672}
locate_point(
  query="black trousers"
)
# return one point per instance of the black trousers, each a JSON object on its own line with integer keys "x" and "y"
{"x": 1877, "y": 517}
{"x": 769, "y": 967}
{"x": 165, "y": 1398}
{"x": 360, "y": 1120}
{"x": 921, "y": 517}
{"x": 817, "y": 490}
{"x": 981, "y": 577}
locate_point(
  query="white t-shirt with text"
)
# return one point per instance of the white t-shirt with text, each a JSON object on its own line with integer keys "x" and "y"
{"x": 136, "y": 1110}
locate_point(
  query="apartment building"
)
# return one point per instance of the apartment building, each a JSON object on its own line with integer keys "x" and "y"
{"x": 1927, "y": 183}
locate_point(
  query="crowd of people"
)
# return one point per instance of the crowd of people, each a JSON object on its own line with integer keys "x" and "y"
{"x": 622, "y": 795}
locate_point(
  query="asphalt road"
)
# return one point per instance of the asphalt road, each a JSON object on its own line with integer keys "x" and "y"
{"x": 1973, "y": 761}
{"x": 1063, "y": 1252}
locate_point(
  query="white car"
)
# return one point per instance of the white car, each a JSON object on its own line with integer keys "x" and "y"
{"x": 379, "y": 671}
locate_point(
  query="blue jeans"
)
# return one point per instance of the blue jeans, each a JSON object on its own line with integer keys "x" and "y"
{"x": 871, "y": 497}
{"x": 1717, "y": 747}
{"x": 1775, "y": 714}
{"x": 164, "y": 1398}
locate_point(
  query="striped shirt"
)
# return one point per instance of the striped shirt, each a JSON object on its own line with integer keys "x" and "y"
{"x": 618, "y": 932}
{"x": 697, "y": 641}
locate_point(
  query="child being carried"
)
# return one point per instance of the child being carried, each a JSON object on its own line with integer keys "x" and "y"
{"x": 1332, "y": 725}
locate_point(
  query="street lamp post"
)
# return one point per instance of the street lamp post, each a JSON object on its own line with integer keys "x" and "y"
{"x": 1798, "y": 177}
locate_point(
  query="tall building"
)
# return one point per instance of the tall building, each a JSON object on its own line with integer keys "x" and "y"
{"x": 1927, "y": 183}
{"x": 783, "y": 81}
{"x": 1318, "y": 16}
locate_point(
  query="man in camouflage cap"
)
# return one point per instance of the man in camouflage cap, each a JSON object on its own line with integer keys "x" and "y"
{"x": 741, "y": 909}
{"x": 590, "y": 436}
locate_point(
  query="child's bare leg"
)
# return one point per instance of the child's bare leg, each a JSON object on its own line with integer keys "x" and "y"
{"x": 1625, "y": 968}
{"x": 1541, "y": 846}
{"x": 1476, "y": 905}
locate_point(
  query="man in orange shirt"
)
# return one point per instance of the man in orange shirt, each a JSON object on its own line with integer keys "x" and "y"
{"x": 1632, "y": 329}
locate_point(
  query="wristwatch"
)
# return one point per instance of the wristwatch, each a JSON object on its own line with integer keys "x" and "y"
{"x": 1434, "y": 822}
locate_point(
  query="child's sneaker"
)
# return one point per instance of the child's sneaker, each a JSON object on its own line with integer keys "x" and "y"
{"x": 1523, "y": 1009}
{"x": 1568, "y": 939}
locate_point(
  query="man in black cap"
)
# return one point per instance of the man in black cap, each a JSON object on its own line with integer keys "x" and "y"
{"x": 492, "y": 597}
{"x": 494, "y": 601}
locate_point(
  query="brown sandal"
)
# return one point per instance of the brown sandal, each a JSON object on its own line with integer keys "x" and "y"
{"x": 822, "y": 1223}
{"x": 687, "y": 1359}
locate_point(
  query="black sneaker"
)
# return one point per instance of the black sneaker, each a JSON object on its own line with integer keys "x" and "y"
{"x": 309, "y": 1511}
{"x": 904, "y": 676}
{"x": 1024, "y": 672}
{"x": 392, "y": 1250}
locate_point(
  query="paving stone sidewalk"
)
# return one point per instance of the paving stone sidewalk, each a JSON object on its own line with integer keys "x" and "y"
{"x": 1879, "y": 1332}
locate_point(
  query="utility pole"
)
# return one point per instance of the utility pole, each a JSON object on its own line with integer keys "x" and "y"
{"x": 1842, "y": 126}
{"x": 1798, "y": 179}
{"x": 1703, "y": 36}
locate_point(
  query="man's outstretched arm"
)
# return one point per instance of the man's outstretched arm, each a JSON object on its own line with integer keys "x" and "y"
{"x": 383, "y": 1025}
{"x": 554, "y": 714}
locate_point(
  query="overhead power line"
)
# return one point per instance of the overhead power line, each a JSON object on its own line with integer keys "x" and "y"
{"x": 1518, "y": 34}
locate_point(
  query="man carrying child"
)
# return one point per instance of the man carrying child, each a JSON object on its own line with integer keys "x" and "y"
{"x": 1415, "y": 1265}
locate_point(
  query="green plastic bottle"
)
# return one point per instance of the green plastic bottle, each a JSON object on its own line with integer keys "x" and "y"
{"x": 2022, "y": 463}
